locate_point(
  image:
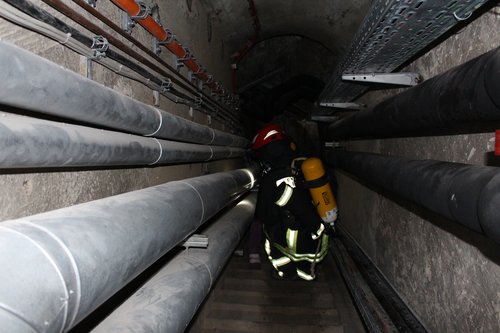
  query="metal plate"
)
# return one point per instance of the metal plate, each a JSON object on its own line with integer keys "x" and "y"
{"x": 393, "y": 32}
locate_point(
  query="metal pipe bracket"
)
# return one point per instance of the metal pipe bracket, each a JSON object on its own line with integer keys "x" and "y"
{"x": 99, "y": 45}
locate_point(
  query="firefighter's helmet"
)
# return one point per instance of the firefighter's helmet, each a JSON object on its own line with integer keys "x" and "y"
{"x": 268, "y": 134}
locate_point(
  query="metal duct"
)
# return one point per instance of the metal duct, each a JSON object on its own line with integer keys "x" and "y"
{"x": 459, "y": 99}
{"x": 35, "y": 143}
{"x": 59, "y": 266}
{"x": 56, "y": 91}
{"x": 467, "y": 194}
{"x": 169, "y": 300}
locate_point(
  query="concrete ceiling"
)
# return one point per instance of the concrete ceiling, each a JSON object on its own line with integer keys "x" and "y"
{"x": 297, "y": 37}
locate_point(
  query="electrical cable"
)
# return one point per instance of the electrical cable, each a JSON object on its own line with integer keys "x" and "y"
{"x": 122, "y": 33}
{"x": 45, "y": 23}
{"x": 20, "y": 18}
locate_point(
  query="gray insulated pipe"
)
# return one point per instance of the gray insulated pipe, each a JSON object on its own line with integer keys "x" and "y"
{"x": 170, "y": 299}
{"x": 57, "y": 267}
{"x": 464, "y": 99}
{"x": 33, "y": 83}
{"x": 34, "y": 143}
{"x": 466, "y": 194}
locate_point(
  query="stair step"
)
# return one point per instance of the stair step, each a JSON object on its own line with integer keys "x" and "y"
{"x": 242, "y": 326}
{"x": 274, "y": 309}
{"x": 280, "y": 315}
{"x": 278, "y": 298}
{"x": 273, "y": 285}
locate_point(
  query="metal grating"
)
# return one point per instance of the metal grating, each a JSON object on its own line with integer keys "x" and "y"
{"x": 392, "y": 33}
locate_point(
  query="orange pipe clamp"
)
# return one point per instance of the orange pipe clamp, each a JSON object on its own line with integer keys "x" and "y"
{"x": 139, "y": 13}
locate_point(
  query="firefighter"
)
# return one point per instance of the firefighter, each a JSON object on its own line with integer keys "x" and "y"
{"x": 295, "y": 237}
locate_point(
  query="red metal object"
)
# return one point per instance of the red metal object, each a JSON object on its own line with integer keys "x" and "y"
{"x": 166, "y": 38}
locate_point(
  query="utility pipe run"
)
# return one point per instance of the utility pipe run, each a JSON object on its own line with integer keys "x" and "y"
{"x": 170, "y": 299}
{"x": 91, "y": 10}
{"x": 57, "y": 267}
{"x": 56, "y": 91}
{"x": 34, "y": 143}
{"x": 166, "y": 38}
{"x": 460, "y": 99}
{"x": 467, "y": 194}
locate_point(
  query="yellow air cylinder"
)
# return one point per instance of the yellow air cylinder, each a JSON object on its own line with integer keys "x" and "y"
{"x": 320, "y": 189}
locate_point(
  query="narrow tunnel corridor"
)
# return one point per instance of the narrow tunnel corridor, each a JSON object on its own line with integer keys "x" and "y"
{"x": 130, "y": 176}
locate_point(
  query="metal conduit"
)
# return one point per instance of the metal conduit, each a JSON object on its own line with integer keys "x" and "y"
{"x": 56, "y": 91}
{"x": 169, "y": 300}
{"x": 122, "y": 33}
{"x": 168, "y": 40}
{"x": 59, "y": 266}
{"x": 463, "y": 97}
{"x": 35, "y": 143}
{"x": 467, "y": 194}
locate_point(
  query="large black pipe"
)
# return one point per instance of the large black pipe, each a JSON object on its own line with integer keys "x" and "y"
{"x": 463, "y": 99}
{"x": 467, "y": 194}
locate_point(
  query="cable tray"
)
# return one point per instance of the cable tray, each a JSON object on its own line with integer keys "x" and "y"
{"x": 392, "y": 33}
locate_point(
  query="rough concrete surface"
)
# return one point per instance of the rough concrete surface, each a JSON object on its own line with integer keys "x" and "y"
{"x": 27, "y": 192}
{"x": 448, "y": 275}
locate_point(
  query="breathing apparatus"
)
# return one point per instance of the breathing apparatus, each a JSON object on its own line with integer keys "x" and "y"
{"x": 320, "y": 189}
{"x": 313, "y": 171}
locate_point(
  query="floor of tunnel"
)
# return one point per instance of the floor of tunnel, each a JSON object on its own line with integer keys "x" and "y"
{"x": 250, "y": 300}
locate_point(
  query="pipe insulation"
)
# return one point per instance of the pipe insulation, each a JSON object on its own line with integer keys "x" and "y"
{"x": 458, "y": 100}
{"x": 35, "y": 143}
{"x": 56, "y": 91}
{"x": 34, "y": 18}
{"x": 170, "y": 299}
{"x": 59, "y": 266}
{"x": 466, "y": 194}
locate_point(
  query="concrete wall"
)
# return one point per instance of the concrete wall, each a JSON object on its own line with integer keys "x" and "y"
{"x": 26, "y": 192}
{"x": 447, "y": 274}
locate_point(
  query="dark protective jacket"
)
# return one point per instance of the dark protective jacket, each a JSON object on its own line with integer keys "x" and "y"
{"x": 291, "y": 224}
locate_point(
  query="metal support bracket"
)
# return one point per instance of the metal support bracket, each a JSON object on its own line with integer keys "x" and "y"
{"x": 156, "y": 98}
{"x": 178, "y": 64}
{"x": 401, "y": 79}
{"x": 199, "y": 241}
{"x": 155, "y": 14}
{"x": 154, "y": 11}
{"x": 325, "y": 119}
{"x": 93, "y": 3}
{"x": 89, "y": 65}
{"x": 155, "y": 45}
{"x": 170, "y": 38}
{"x": 210, "y": 79}
{"x": 127, "y": 23}
{"x": 166, "y": 85}
{"x": 100, "y": 45}
{"x": 347, "y": 106}
{"x": 198, "y": 101}
{"x": 333, "y": 144}
{"x": 144, "y": 11}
